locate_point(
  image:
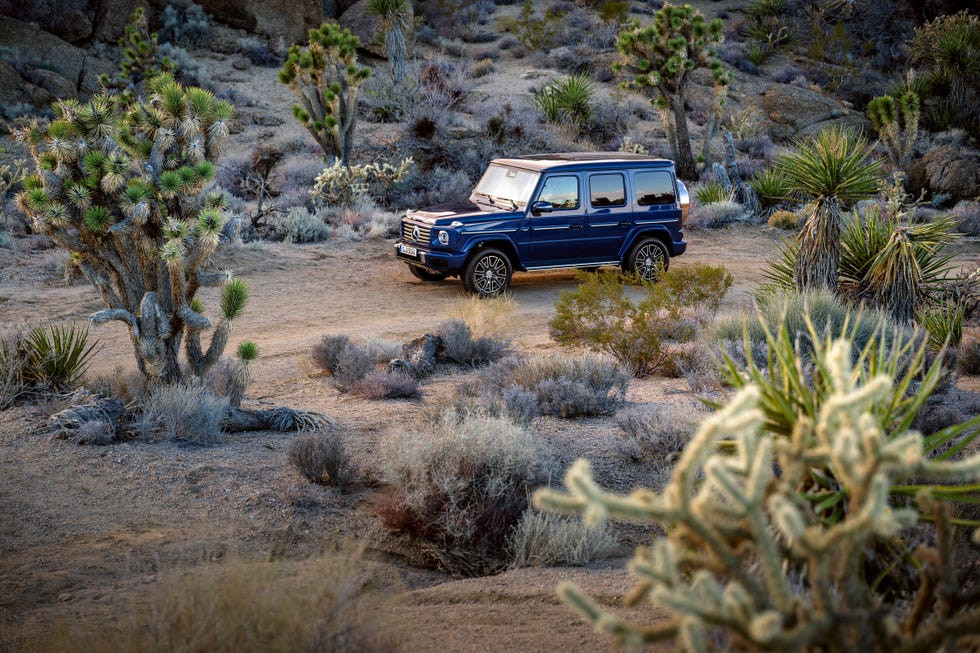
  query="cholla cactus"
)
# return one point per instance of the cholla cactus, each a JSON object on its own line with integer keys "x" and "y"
{"x": 897, "y": 121}
{"x": 10, "y": 176}
{"x": 748, "y": 556}
{"x": 325, "y": 76}
{"x": 341, "y": 186}
{"x": 661, "y": 57}
{"x": 122, "y": 187}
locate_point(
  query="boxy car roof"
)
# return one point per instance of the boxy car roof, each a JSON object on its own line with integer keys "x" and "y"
{"x": 574, "y": 161}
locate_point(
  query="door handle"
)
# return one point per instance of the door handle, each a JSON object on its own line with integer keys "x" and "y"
{"x": 624, "y": 223}
{"x": 575, "y": 225}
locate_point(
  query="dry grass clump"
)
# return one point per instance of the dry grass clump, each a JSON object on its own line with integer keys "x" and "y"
{"x": 321, "y": 459}
{"x": 492, "y": 316}
{"x": 548, "y": 540}
{"x": 462, "y": 485}
{"x": 186, "y": 412}
{"x": 328, "y": 604}
{"x": 94, "y": 431}
{"x": 655, "y": 434}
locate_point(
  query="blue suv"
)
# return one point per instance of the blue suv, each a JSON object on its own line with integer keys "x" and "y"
{"x": 549, "y": 211}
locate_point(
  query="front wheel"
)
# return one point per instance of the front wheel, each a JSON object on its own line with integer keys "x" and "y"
{"x": 488, "y": 273}
{"x": 648, "y": 259}
{"x": 425, "y": 275}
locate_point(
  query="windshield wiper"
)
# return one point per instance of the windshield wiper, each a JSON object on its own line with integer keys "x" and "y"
{"x": 489, "y": 198}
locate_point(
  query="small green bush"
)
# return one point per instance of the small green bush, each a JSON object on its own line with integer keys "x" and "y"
{"x": 944, "y": 324}
{"x": 770, "y": 187}
{"x": 784, "y": 220}
{"x": 711, "y": 191}
{"x": 301, "y": 226}
{"x": 602, "y": 314}
{"x": 567, "y": 101}
{"x": 320, "y": 458}
{"x": 56, "y": 357}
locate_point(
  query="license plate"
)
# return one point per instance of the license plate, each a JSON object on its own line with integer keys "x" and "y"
{"x": 408, "y": 250}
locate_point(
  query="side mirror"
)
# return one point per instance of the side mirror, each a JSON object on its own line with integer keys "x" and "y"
{"x": 541, "y": 206}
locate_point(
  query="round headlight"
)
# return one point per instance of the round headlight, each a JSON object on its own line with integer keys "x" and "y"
{"x": 443, "y": 237}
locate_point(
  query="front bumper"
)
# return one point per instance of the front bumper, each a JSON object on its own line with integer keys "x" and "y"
{"x": 437, "y": 261}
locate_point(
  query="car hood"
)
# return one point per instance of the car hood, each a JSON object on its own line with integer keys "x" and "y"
{"x": 463, "y": 210}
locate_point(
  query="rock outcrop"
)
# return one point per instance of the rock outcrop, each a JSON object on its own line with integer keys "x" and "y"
{"x": 286, "y": 19}
{"x": 796, "y": 112}
{"x": 947, "y": 170}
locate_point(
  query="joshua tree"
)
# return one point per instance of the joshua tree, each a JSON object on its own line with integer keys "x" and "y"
{"x": 325, "y": 76}
{"x": 661, "y": 57}
{"x": 121, "y": 186}
{"x": 897, "y": 122}
{"x": 395, "y": 16}
{"x": 141, "y": 58}
{"x": 830, "y": 170}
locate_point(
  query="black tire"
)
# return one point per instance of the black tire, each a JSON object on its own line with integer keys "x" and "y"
{"x": 425, "y": 275}
{"x": 646, "y": 258}
{"x": 487, "y": 273}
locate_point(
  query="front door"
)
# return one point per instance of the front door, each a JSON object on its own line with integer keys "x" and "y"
{"x": 558, "y": 237}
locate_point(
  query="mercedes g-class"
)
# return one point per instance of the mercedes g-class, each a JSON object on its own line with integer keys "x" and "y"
{"x": 548, "y": 211}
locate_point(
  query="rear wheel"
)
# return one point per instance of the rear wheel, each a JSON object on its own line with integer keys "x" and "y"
{"x": 488, "y": 273}
{"x": 425, "y": 275}
{"x": 648, "y": 259}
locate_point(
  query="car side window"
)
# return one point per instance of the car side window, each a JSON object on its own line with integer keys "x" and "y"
{"x": 607, "y": 190}
{"x": 654, "y": 187}
{"x": 561, "y": 191}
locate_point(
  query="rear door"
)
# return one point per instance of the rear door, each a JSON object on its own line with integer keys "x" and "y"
{"x": 609, "y": 213}
{"x": 655, "y": 198}
{"x": 558, "y": 238}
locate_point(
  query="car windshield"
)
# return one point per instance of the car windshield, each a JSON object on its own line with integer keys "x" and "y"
{"x": 505, "y": 187}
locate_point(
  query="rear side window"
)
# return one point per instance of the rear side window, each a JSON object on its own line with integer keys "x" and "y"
{"x": 561, "y": 191}
{"x": 654, "y": 187}
{"x": 607, "y": 190}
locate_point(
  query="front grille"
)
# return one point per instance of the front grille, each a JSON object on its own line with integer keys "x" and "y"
{"x": 408, "y": 232}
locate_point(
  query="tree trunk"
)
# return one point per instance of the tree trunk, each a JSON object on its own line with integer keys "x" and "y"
{"x": 397, "y": 53}
{"x": 819, "y": 258}
{"x": 685, "y": 158}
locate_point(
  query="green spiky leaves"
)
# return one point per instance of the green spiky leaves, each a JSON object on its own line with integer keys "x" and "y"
{"x": 835, "y": 163}
{"x": 247, "y": 351}
{"x": 97, "y": 219}
{"x": 234, "y": 297}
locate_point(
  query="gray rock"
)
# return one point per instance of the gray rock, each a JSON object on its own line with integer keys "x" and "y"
{"x": 93, "y": 67}
{"x": 791, "y": 110}
{"x": 37, "y": 48}
{"x": 53, "y": 83}
{"x": 112, "y": 17}
{"x": 947, "y": 170}
{"x": 289, "y": 19}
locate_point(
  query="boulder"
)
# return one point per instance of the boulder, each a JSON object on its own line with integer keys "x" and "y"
{"x": 112, "y": 17}
{"x": 791, "y": 110}
{"x": 53, "y": 83}
{"x": 37, "y": 48}
{"x": 947, "y": 170}
{"x": 75, "y": 27}
{"x": 367, "y": 27}
{"x": 13, "y": 89}
{"x": 92, "y": 68}
{"x": 289, "y": 19}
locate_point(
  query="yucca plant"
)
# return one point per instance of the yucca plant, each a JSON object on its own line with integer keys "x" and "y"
{"x": 56, "y": 356}
{"x": 770, "y": 188}
{"x": 830, "y": 171}
{"x": 709, "y": 192}
{"x": 944, "y": 324}
{"x": 395, "y": 18}
{"x": 566, "y": 101}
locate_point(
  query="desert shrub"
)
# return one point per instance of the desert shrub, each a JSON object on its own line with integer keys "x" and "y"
{"x": 55, "y": 357}
{"x": 342, "y": 185}
{"x": 968, "y": 359}
{"x": 462, "y": 485}
{"x": 184, "y": 23}
{"x": 459, "y": 346}
{"x": 654, "y": 434}
{"x": 602, "y": 315}
{"x": 353, "y": 363}
{"x": 749, "y": 558}
{"x": 784, "y": 220}
{"x": 567, "y": 101}
{"x": 481, "y": 68}
{"x": 967, "y": 217}
{"x": 717, "y": 214}
{"x": 378, "y": 384}
{"x": 129, "y": 386}
{"x": 185, "y": 412}
{"x": 326, "y": 353}
{"x": 545, "y": 540}
{"x": 427, "y": 189}
{"x": 328, "y": 603}
{"x": 299, "y": 225}
{"x": 320, "y": 458}
{"x": 94, "y": 431}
